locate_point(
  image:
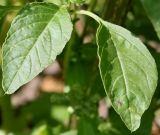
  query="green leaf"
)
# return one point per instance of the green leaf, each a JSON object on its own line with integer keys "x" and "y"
{"x": 152, "y": 9}
{"x": 37, "y": 35}
{"x": 128, "y": 72}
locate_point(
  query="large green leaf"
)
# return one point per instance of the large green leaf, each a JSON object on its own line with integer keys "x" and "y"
{"x": 128, "y": 72}
{"x": 152, "y": 9}
{"x": 37, "y": 35}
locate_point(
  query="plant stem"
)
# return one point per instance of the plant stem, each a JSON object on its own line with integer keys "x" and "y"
{"x": 90, "y": 14}
{"x": 7, "y": 113}
{"x": 68, "y": 54}
{"x": 91, "y": 9}
{"x": 92, "y": 5}
{"x": 115, "y": 10}
{"x": 8, "y": 121}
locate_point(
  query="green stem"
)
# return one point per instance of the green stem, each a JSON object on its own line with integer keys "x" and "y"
{"x": 68, "y": 54}
{"x": 105, "y": 8}
{"x": 8, "y": 121}
{"x": 91, "y": 9}
{"x": 115, "y": 11}
{"x": 92, "y": 5}
{"x": 7, "y": 113}
{"x": 90, "y": 14}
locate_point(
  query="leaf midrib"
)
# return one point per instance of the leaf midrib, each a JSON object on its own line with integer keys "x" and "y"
{"x": 121, "y": 65}
{"x": 124, "y": 78}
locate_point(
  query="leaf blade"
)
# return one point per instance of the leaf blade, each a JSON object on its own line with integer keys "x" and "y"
{"x": 122, "y": 57}
{"x": 42, "y": 27}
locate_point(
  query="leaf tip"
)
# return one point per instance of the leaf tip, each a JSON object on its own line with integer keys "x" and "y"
{"x": 132, "y": 122}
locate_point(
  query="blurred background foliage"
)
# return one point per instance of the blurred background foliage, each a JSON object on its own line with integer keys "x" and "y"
{"x": 68, "y": 98}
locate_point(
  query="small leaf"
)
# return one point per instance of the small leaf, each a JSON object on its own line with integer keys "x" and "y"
{"x": 152, "y": 9}
{"x": 128, "y": 72}
{"x": 37, "y": 35}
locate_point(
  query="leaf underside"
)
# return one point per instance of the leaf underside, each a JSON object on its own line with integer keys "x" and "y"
{"x": 128, "y": 72}
{"x": 37, "y": 35}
